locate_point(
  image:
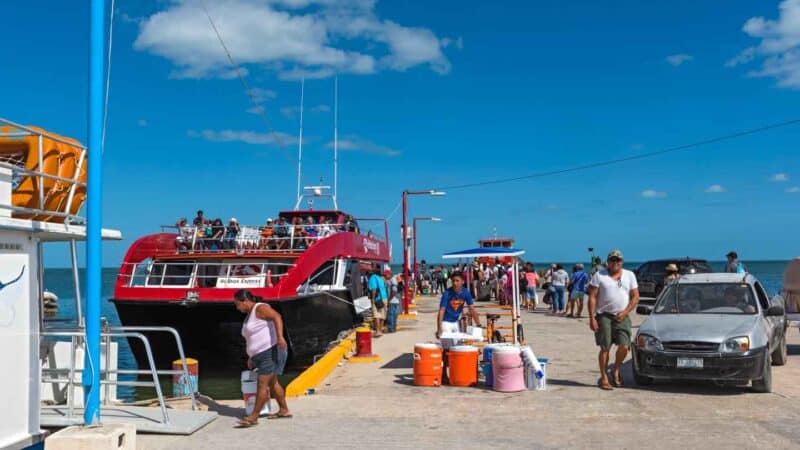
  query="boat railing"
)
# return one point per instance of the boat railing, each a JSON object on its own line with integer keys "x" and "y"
{"x": 249, "y": 239}
{"x": 77, "y": 339}
{"x": 203, "y": 274}
{"x": 50, "y": 187}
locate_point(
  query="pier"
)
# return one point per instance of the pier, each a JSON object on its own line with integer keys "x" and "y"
{"x": 375, "y": 405}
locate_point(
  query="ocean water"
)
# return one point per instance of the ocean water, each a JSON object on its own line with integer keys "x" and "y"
{"x": 225, "y": 384}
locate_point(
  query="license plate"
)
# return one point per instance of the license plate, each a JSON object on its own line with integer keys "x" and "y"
{"x": 690, "y": 363}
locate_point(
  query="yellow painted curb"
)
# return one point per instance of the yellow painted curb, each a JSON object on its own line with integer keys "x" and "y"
{"x": 317, "y": 372}
{"x": 364, "y": 359}
{"x": 412, "y": 315}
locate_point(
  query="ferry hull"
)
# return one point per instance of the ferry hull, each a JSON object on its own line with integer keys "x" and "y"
{"x": 211, "y": 331}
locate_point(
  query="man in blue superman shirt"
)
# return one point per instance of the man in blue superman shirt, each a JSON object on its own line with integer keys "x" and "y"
{"x": 452, "y": 304}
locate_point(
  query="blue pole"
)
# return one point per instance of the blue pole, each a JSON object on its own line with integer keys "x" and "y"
{"x": 94, "y": 209}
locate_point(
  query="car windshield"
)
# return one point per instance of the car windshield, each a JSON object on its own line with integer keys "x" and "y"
{"x": 707, "y": 298}
{"x": 659, "y": 270}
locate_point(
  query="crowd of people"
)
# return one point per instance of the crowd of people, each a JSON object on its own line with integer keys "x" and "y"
{"x": 204, "y": 234}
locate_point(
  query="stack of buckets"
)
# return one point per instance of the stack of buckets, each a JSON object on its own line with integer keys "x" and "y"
{"x": 249, "y": 391}
{"x": 510, "y": 368}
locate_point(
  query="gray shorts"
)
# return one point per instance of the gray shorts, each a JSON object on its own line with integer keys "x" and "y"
{"x": 271, "y": 361}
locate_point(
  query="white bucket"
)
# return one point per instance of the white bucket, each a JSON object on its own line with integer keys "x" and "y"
{"x": 250, "y": 391}
{"x": 541, "y": 383}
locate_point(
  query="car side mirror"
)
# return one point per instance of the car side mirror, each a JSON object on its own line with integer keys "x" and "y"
{"x": 644, "y": 310}
{"x": 775, "y": 310}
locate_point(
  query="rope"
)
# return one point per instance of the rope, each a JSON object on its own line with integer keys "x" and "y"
{"x": 626, "y": 159}
{"x": 259, "y": 109}
{"x": 108, "y": 77}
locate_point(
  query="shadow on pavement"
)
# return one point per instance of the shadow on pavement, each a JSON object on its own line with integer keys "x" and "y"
{"x": 559, "y": 382}
{"x": 404, "y": 361}
{"x": 404, "y": 379}
{"x": 222, "y": 410}
{"x": 678, "y": 386}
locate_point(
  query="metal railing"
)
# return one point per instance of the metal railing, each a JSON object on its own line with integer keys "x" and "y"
{"x": 77, "y": 339}
{"x": 157, "y": 274}
{"x": 20, "y": 172}
{"x": 248, "y": 238}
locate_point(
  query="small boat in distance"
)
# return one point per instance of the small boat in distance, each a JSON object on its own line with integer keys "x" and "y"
{"x": 495, "y": 242}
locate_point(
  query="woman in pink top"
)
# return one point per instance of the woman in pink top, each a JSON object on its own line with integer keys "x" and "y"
{"x": 267, "y": 351}
{"x": 533, "y": 281}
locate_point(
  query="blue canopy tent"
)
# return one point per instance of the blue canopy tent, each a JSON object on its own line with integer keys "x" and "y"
{"x": 497, "y": 252}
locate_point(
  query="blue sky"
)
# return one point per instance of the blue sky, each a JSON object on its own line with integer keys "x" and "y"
{"x": 438, "y": 94}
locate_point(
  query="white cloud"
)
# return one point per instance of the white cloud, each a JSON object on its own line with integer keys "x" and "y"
{"x": 296, "y": 38}
{"x": 246, "y": 136}
{"x": 793, "y": 190}
{"x": 678, "y": 59}
{"x": 715, "y": 189}
{"x": 291, "y": 111}
{"x": 260, "y": 96}
{"x": 650, "y": 193}
{"x": 356, "y": 143}
{"x": 779, "y": 178}
{"x": 779, "y": 46}
{"x": 141, "y": 122}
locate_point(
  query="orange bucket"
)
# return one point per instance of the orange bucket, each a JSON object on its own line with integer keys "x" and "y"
{"x": 427, "y": 365}
{"x": 463, "y": 365}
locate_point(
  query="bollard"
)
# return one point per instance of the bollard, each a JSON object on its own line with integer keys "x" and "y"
{"x": 180, "y": 386}
{"x": 364, "y": 346}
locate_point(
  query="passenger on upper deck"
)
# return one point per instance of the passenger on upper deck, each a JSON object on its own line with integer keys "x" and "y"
{"x": 299, "y": 238}
{"x": 350, "y": 224}
{"x": 311, "y": 228}
{"x": 326, "y": 229}
{"x": 231, "y": 232}
{"x": 185, "y": 232}
{"x": 266, "y": 236}
{"x": 199, "y": 220}
{"x": 280, "y": 233}
{"x": 217, "y": 232}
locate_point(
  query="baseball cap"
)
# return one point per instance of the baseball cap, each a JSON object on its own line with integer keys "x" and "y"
{"x": 387, "y": 272}
{"x": 233, "y": 219}
{"x": 615, "y": 254}
{"x": 732, "y": 253}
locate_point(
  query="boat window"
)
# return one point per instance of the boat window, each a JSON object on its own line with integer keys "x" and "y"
{"x": 178, "y": 274}
{"x": 140, "y": 273}
{"x": 155, "y": 274}
{"x": 323, "y": 275}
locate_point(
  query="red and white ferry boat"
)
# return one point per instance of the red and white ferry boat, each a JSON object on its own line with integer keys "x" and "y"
{"x": 496, "y": 242}
{"x": 175, "y": 279}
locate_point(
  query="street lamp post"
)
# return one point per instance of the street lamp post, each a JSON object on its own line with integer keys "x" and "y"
{"x": 414, "y": 234}
{"x": 406, "y": 291}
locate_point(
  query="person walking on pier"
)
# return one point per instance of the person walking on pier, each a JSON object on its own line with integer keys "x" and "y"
{"x": 578, "y": 289}
{"x": 267, "y": 351}
{"x": 560, "y": 279}
{"x": 380, "y": 299}
{"x": 613, "y": 294}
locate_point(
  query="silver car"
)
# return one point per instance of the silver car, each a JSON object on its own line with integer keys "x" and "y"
{"x": 720, "y": 327}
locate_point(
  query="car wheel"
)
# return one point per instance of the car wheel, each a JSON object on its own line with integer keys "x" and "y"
{"x": 764, "y": 384}
{"x": 781, "y": 354}
{"x": 640, "y": 379}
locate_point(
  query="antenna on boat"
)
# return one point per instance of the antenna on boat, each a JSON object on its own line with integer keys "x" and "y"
{"x": 335, "y": 139}
{"x": 300, "y": 146}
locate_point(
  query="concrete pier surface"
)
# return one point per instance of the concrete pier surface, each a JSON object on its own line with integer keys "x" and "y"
{"x": 374, "y": 405}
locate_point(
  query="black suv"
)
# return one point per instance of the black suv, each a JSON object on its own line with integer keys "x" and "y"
{"x": 650, "y": 275}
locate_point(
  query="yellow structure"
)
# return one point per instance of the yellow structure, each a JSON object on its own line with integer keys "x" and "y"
{"x": 47, "y": 169}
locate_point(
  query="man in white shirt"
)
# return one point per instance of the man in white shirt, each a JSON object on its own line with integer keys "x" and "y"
{"x": 613, "y": 294}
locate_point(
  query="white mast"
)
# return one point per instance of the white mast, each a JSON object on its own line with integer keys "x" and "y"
{"x": 335, "y": 139}
{"x": 300, "y": 145}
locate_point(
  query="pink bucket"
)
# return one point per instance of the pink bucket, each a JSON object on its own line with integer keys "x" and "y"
{"x": 508, "y": 370}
